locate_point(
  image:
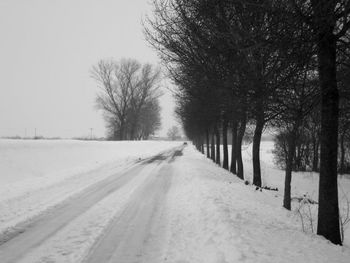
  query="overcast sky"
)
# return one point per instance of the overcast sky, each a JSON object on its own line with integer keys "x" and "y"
{"x": 47, "y": 48}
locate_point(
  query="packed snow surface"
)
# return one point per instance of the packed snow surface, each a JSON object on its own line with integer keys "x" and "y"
{"x": 176, "y": 207}
{"x": 38, "y": 174}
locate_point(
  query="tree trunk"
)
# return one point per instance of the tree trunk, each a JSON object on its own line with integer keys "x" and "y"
{"x": 201, "y": 145}
{"x": 315, "y": 156}
{"x": 121, "y": 131}
{"x": 217, "y": 134}
{"x": 297, "y": 162}
{"x": 289, "y": 169}
{"x": 115, "y": 133}
{"x": 212, "y": 147}
{"x": 224, "y": 145}
{"x": 328, "y": 208}
{"x": 241, "y": 131}
{"x": 342, "y": 154}
{"x": 207, "y": 140}
{"x": 132, "y": 132}
{"x": 233, "y": 168}
{"x": 256, "y": 150}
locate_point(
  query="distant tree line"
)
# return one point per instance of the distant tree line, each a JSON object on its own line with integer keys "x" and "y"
{"x": 174, "y": 133}
{"x": 128, "y": 97}
{"x": 307, "y": 151}
{"x": 278, "y": 63}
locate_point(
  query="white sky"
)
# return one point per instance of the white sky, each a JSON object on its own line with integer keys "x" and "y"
{"x": 47, "y": 48}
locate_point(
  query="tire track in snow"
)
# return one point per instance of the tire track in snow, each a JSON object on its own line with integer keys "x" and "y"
{"x": 77, "y": 223}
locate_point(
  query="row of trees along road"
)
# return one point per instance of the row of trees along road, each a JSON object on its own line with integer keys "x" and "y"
{"x": 128, "y": 96}
{"x": 260, "y": 63}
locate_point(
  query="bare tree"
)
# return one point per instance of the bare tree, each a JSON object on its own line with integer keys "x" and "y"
{"x": 126, "y": 88}
{"x": 329, "y": 23}
{"x": 174, "y": 133}
{"x": 149, "y": 120}
{"x": 144, "y": 93}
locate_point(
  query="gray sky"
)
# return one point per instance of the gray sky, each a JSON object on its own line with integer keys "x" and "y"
{"x": 47, "y": 48}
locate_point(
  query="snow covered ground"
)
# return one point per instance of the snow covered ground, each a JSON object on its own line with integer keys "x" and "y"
{"x": 176, "y": 207}
{"x": 303, "y": 184}
{"x": 216, "y": 218}
{"x": 36, "y": 175}
{"x": 31, "y": 159}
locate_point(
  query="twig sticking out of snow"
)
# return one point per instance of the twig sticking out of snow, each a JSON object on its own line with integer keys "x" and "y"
{"x": 307, "y": 213}
{"x": 305, "y": 200}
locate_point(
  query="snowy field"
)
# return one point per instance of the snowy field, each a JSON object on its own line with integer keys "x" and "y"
{"x": 303, "y": 184}
{"x": 207, "y": 215}
{"x": 36, "y": 175}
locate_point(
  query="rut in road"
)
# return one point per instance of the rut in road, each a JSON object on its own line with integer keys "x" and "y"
{"x": 132, "y": 229}
{"x": 137, "y": 234}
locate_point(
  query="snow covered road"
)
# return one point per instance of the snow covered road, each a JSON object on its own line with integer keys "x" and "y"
{"x": 115, "y": 218}
{"x": 175, "y": 206}
{"x": 139, "y": 233}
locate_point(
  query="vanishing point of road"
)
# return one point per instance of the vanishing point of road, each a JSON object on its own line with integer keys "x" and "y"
{"x": 134, "y": 235}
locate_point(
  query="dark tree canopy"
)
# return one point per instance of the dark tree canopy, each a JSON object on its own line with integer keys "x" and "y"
{"x": 261, "y": 63}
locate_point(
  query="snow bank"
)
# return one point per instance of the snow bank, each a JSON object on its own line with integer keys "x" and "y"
{"x": 216, "y": 218}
